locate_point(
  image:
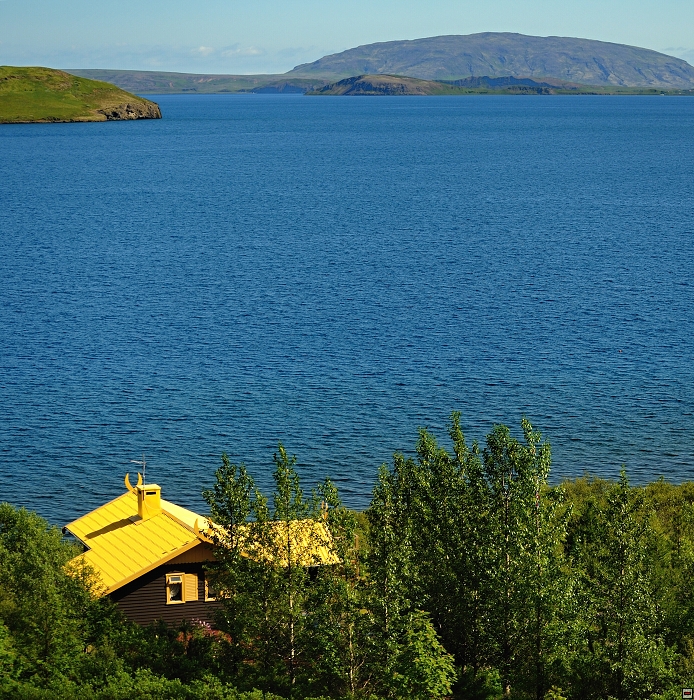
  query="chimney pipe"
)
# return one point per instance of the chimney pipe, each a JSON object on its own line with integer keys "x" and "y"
{"x": 148, "y": 501}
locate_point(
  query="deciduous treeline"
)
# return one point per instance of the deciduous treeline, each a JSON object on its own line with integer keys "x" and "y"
{"x": 469, "y": 576}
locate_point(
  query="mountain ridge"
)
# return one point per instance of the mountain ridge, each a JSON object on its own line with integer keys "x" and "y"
{"x": 585, "y": 62}
{"x": 453, "y": 56}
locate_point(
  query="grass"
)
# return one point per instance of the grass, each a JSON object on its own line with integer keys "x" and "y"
{"x": 47, "y": 95}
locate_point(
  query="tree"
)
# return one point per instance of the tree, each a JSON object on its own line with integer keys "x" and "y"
{"x": 233, "y": 502}
{"x": 475, "y": 541}
{"x": 624, "y": 654}
{"x": 267, "y": 556}
{"x": 390, "y": 566}
{"x": 290, "y": 540}
{"x": 672, "y": 557}
{"x": 525, "y": 534}
{"x": 340, "y": 643}
{"x": 46, "y": 609}
{"x": 426, "y": 552}
{"x": 423, "y": 669}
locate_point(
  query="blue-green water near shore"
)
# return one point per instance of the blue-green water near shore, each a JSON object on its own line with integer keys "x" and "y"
{"x": 334, "y": 273}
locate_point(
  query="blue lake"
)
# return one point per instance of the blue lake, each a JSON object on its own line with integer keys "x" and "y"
{"x": 334, "y": 273}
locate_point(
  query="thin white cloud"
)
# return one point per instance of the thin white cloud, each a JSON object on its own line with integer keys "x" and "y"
{"x": 234, "y": 51}
{"x": 229, "y": 59}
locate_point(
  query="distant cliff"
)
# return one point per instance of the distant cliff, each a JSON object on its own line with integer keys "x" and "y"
{"x": 47, "y": 95}
{"x": 501, "y": 54}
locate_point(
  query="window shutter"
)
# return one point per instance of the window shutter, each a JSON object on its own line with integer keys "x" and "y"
{"x": 191, "y": 587}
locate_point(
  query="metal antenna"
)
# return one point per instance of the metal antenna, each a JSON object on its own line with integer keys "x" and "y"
{"x": 143, "y": 462}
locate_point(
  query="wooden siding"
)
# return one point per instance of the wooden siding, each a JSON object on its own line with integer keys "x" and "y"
{"x": 200, "y": 553}
{"x": 144, "y": 600}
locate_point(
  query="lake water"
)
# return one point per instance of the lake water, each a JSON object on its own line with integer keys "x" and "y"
{"x": 334, "y": 273}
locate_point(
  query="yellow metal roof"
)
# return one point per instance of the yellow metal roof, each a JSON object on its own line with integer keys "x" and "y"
{"x": 301, "y": 542}
{"x": 122, "y": 547}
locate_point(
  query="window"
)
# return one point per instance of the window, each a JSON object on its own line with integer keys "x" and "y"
{"x": 210, "y": 591}
{"x": 174, "y": 589}
{"x": 181, "y": 588}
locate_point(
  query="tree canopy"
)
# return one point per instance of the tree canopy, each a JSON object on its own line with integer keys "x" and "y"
{"x": 470, "y": 575}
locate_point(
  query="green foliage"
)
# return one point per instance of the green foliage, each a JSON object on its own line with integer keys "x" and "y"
{"x": 469, "y": 576}
{"x": 8, "y": 656}
{"x": 45, "y": 609}
{"x": 480, "y": 684}
{"x": 554, "y": 693}
{"x": 423, "y": 670}
{"x": 140, "y": 685}
{"x": 621, "y": 621}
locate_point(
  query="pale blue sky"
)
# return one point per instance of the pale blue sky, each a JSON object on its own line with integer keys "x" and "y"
{"x": 260, "y": 36}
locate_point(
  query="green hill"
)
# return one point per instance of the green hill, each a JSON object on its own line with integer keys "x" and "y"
{"x": 47, "y": 95}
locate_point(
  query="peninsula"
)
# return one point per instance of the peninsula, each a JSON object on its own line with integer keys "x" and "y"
{"x": 508, "y": 85}
{"x": 385, "y": 85}
{"x": 29, "y": 95}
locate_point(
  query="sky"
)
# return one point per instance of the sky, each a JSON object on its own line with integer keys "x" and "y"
{"x": 273, "y": 36}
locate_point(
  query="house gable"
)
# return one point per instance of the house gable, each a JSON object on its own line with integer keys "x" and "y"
{"x": 127, "y": 537}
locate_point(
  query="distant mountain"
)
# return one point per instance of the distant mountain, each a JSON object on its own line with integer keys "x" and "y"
{"x": 550, "y": 61}
{"x": 503, "y": 54}
{"x": 162, "y": 83}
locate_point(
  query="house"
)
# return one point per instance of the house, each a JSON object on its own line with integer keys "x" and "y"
{"x": 150, "y": 554}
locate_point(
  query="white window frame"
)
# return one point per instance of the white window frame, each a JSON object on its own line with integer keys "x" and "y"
{"x": 171, "y": 580}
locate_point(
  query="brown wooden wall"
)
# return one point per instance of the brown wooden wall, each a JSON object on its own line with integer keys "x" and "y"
{"x": 144, "y": 600}
{"x": 200, "y": 553}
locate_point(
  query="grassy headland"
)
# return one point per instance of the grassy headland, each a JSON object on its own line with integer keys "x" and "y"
{"x": 47, "y": 95}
